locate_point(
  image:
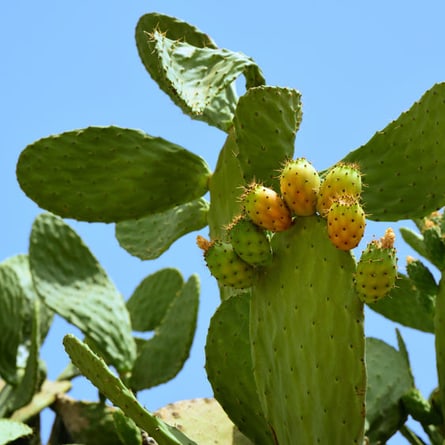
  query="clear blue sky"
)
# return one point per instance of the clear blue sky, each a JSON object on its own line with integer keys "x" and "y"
{"x": 71, "y": 64}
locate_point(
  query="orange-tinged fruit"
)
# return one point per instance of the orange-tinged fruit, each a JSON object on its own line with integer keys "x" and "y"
{"x": 346, "y": 223}
{"x": 265, "y": 207}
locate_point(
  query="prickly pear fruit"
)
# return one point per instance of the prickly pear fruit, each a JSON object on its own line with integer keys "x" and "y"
{"x": 299, "y": 186}
{"x": 249, "y": 241}
{"x": 265, "y": 207}
{"x": 377, "y": 269}
{"x": 342, "y": 179}
{"x": 225, "y": 265}
{"x": 346, "y": 223}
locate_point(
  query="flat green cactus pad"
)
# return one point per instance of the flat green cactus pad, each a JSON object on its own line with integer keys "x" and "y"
{"x": 406, "y": 305}
{"x": 72, "y": 283}
{"x": 150, "y": 236}
{"x": 109, "y": 174}
{"x": 308, "y": 341}
{"x": 204, "y": 421}
{"x": 403, "y": 164}
{"x": 389, "y": 378}
{"x": 187, "y": 65}
{"x": 230, "y": 371}
{"x": 266, "y": 121}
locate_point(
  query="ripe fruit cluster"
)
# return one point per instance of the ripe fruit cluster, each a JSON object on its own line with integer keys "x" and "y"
{"x": 302, "y": 193}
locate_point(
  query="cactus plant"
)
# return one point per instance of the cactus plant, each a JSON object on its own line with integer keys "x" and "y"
{"x": 299, "y": 367}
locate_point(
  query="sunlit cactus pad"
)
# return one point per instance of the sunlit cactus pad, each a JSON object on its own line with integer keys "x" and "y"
{"x": 109, "y": 174}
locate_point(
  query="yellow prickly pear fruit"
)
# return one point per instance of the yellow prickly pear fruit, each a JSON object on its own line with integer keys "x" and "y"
{"x": 299, "y": 186}
{"x": 266, "y": 208}
{"x": 346, "y": 223}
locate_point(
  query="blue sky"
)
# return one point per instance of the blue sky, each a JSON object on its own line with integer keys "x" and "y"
{"x": 72, "y": 64}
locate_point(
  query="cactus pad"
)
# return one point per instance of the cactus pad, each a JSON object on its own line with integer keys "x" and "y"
{"x": 109, "y": 174}
{"x": 230, "y": 371}
{"x": 73, "y": 284}
{"x": 150, "y": 236}
{"x": 266, "y": 121}
{"x": 307, "y": 340}
{"x": 204, "y": 421}
{"x": 403, "y": 164}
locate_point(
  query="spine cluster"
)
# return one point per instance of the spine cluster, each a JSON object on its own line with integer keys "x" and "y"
{"x": 334, "y": 195}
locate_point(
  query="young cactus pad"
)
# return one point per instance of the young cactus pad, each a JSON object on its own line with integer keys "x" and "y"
{"x": 307, "y": 340}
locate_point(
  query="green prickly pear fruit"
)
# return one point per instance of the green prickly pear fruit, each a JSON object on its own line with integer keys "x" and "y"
{"x": 265, "y": 207}
{"x": 342, "y": 179}
{"x": 249, "y": 241}
{"x": 346, "y": 223}
{"x": 377, "y": 269}
{"x": 225, "y": 265}
{"x": 299, "y": 186}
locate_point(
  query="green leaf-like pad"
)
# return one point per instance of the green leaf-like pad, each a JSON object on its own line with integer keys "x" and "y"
{"x": 163, "y": 356}
{"x": 389, "y": 378}
{"x": 150, "y": 236}
{"x": 95, "y": 370}
{"x": 266, "y": 121}
{"x": 11, "y": 430}
{"x": 407, "y": 306}
{"x": 73, "y": 284}
{"x": 230, "y": 370}
{"x": 12, "y": 318}
{"x": 308, "y": 341}
{"x": 109, "y": 174}
{"x": 403, "y": 164}
{"x": 198, "y": 77}
{"x": 151, "y": 299}
{"x": 20, "y": 263}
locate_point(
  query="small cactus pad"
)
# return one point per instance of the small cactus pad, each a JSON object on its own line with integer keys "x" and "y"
{"x": 342, "y": 179}
{"x": 346, "y": 223}
{"x": 266, "y": 208}
{"x": 307, "y": 340}
{"x": 389, "y": 378}
{"x": 249, "y": 241}
{"x": 110, "y": 174}
{"x": 266, "y": 121}
{"x": 150, "y": 236}
{"x": 377, "y": 269}
{"x": 229, "y": 368}
{"x": 11, "y": 430}
{"x": 299, "y": 185}
{"x": 225, "y": 265}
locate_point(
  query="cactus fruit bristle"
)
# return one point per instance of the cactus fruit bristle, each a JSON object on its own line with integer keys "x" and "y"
{"x": 342, "y": 179}
{"x": 346, "y": 223}
{"x": 265, "y": 207}
{"x": 377, "y": 269}
{"x": 249, "y": 241}
{"x": 299, "y": 186}
{"x": 227, "y": 267}
{"x": 202, "y": 243}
